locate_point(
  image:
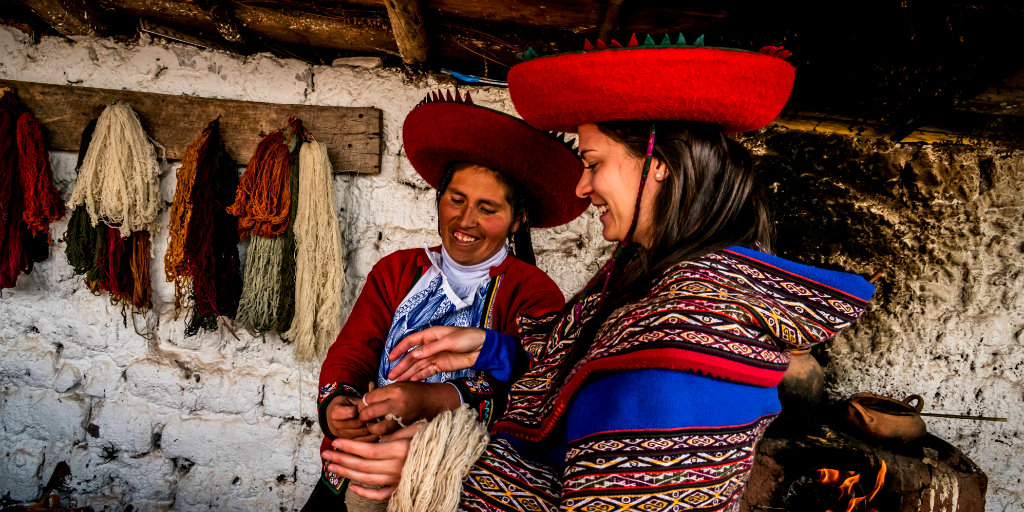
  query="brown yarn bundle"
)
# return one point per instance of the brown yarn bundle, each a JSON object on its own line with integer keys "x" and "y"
{"x": 194, "y": 260}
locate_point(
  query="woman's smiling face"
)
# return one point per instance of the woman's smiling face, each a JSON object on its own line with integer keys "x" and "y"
{"x": 611, "y": 180}
{"x": 474, "y": 215}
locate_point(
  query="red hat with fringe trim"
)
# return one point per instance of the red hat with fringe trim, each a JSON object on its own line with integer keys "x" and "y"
{"x": 445, "y": 129}
{"x": 738, "y": 89}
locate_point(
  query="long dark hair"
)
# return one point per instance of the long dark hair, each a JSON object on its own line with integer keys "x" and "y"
{"x": 519, "y": 242}
{"x": 710, "y": 200}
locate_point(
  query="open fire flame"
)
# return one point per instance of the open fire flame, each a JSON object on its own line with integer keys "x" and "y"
{"x": 845, "y": 483}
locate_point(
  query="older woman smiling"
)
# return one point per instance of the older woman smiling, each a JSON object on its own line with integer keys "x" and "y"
{"x": 496, "y": 177}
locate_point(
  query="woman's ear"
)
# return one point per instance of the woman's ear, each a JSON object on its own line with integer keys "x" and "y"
{"x": 658, "y": 170}
{"x": 515, "y": 227}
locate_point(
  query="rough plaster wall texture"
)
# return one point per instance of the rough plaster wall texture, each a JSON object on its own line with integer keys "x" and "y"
{"x": 946, "y": 225}
{"x": 214, "y": 420}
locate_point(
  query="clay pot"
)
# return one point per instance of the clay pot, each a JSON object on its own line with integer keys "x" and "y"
{"x": 803, "y": 384}
{"x": 886, "y": 418}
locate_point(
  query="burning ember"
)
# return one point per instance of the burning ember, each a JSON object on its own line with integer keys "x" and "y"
{"x": 834, "y": 491}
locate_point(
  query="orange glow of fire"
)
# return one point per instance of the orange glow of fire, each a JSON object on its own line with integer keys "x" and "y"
{"x": 835, "y": 478}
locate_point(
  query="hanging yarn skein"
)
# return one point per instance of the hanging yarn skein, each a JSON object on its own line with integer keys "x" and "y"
{"x": 13, "y": 259}
{"x": 119, "y": 181}
{"x": 43, "y": 203}
{"x": 82, "y": 238}
{"x": 262, "y": 205}
{"x": 195, "y": 258}
{"x": 320, "y": 263}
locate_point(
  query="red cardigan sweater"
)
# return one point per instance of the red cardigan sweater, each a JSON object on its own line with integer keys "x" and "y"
{"x": 353, "y": 360}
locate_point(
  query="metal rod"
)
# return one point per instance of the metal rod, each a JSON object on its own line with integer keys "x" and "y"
{"x": 960, "y": 417}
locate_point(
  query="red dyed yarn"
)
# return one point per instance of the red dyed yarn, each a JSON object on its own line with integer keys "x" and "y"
{"x": 13, "y": 259}
{"x": 115, "y": 264}
{"x": 43, "y": 204}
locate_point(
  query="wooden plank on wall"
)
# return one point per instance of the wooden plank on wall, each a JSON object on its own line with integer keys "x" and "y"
{"x": 352, "y": 134}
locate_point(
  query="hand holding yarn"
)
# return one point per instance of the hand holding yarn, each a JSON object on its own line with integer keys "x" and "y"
{"x": 343, "y": 420}
{"x": 372, "y": 463}
{"x": 440, "y": 349}
{"x": 408, "y": 401}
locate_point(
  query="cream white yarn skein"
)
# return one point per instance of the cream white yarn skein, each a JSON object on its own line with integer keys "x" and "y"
{"x": 119, "y": 181}
{"x": 319, "y": 261}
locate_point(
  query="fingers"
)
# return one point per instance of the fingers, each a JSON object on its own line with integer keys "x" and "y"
{"x": 420, "y": 369}
{"x": 383, "y": 428}
{"x": 405, "y": 433}
{"x": 351, "y": 433}
{"x": 360, "y": 476}
{"x": 394, "y": 449}
{"x": 371, "y": 438}
{"x": 382, "y": 494}
{"x": 427, "y": 335}
{"x": 377, "y": 410}
{"x": 382, "y": 467}
{"x": 343, "y": 412}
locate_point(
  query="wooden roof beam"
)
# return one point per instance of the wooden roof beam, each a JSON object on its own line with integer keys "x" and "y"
{"x": 71, "y": 17}
{"x": 410, "y": 32}
{"x": 227, "y": 25}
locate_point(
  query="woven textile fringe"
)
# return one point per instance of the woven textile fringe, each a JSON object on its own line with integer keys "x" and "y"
{"x": 320, "y": 263}
{"x": 263, "y": 198}
{"x": 440, "y": 454}
{"x": 13, "y": 259}
{"x": 257, "y": 308}
{"x": 43, "y": 203}
{"x": 119, "y": 181}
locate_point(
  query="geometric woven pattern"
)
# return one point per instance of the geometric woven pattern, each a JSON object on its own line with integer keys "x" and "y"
{"x": 722, "y": 315}
{"x": 502, "y": 480}
{"x": 688, "y": 469}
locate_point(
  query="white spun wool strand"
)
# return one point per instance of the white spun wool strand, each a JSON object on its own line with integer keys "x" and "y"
{"x": 119, "y": 181}
{"x": 319, "y": 261}
{"x": 441, "y": 453}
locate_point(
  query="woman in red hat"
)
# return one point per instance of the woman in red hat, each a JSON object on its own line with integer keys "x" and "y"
{"x": 651, "y": 388}
{"x": 490, "y": 192}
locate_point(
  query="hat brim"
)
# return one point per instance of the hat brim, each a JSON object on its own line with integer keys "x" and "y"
{"x": 738, "y": 89}
{"x": 439, "y": 133}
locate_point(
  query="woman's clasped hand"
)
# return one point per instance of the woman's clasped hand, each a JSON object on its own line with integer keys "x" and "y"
{"x": 434, "y": 350}
{"x": 376, "y": 464}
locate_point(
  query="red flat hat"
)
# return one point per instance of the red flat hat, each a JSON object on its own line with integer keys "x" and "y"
{"x": 738, "y": 89}
{"x": 445, "y": 130}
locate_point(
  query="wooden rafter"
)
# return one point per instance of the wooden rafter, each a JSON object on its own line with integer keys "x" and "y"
{"x": 223, "y": 18}
{"x": 410, "y": 32}
{"x": 71, "y": 17}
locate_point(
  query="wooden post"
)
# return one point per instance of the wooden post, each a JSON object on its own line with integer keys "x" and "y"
{"x": 71, "y": 17}
{"x": 611, "y": 18}
{"x": 410, "y": 32}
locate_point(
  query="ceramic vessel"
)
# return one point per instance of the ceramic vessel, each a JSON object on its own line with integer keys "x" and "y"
{"x": 803, "y": 384}
{"x": 886, "y": 418}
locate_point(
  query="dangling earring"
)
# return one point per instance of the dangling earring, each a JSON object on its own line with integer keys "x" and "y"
{"x": 510, "y": 242}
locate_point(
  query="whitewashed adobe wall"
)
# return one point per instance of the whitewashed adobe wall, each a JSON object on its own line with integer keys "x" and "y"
{"x": 225, "y": 423}
{"x": 208, "y": 421}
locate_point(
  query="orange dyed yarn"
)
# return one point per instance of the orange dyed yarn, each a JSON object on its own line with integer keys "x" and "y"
{"x": 264, "y": 195}
{"x": 43, "y": 203}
